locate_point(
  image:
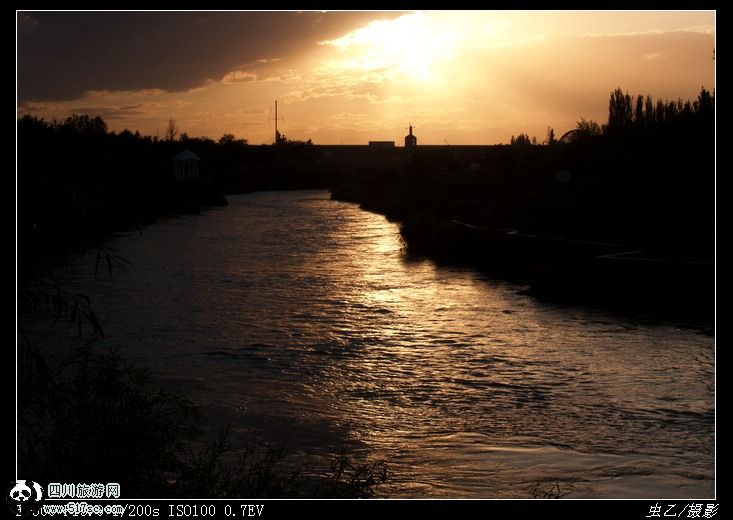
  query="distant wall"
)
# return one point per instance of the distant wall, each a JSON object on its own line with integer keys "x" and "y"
{"x": 376, "y": 155}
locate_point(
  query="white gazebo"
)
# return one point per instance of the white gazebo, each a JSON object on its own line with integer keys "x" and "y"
{"x": 186, "y": 165}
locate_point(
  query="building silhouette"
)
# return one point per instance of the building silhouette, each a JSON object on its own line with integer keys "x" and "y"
{"x": 410, "y": 140}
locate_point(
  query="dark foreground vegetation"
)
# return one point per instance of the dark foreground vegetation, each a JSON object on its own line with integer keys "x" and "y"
{"x": 91, "y": 416}
{"x": 100, "y": 419}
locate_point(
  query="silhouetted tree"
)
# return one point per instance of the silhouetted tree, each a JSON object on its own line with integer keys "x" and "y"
{"x": 85, "y": 124}
{"x": 648, "y": 110}
{"x": 171, "y": 131}
{"x": 705, "y": 102}
{"x": 521, "y": 140}
{"x": 226, "y": 139}
{"x": 551, "y": 140}
{"x": 619, "y": 110}
{"x": 639, "y": 110}
{"x": 588, "y": 128}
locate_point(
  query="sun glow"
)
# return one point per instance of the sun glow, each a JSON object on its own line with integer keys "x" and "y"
{"x": 409, "y": 47}
{"x": 462, "y": 77}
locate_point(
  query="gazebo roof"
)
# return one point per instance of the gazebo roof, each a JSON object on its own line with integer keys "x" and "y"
{"x": 186, "y": 155}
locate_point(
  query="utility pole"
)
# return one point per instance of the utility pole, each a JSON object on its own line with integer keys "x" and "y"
{"x": 277, "y": 133}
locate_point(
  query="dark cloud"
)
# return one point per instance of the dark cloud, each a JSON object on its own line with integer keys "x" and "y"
{"x": 111, "y": 112}
{"x": 61, "y": 55}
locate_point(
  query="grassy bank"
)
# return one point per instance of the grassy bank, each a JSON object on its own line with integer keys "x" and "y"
{"x": 94, "y": 417}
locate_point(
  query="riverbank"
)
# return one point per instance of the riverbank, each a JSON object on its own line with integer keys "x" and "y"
{"x": 587, "y": 240}
{"x": 95, "y": 416}
{"x": 58, "y": 217}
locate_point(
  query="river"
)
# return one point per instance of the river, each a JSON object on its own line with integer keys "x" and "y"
{"x": 301, "y": 320}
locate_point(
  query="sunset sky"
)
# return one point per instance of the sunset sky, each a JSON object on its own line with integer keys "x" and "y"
{"x": 350, "y": 77}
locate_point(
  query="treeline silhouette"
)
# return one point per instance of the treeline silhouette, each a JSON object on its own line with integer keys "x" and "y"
{"x": 640, "y": 117}
{"x": 631, "y": 180}
{"x": 648, "y": 171}
{"x": 77, "y": 180}
{"x": 632, "y": 116}
{"x": 644, "y": 181}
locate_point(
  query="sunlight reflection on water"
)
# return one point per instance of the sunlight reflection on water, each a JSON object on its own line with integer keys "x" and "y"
{"x": 299, "y": 319}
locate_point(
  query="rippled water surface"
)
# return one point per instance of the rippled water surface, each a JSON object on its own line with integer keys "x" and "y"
{"x": 300, "y": 320}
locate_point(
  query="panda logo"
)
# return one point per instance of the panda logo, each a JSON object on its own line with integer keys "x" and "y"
{"x": 21, "y": 492}
{"x": 23, "y": 499}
